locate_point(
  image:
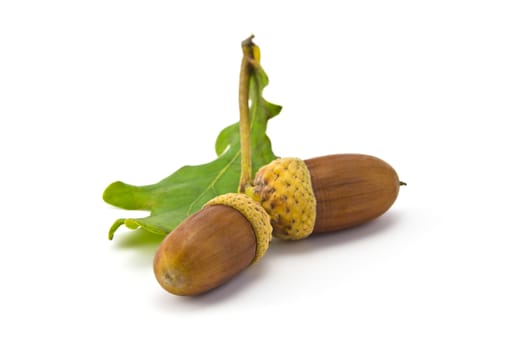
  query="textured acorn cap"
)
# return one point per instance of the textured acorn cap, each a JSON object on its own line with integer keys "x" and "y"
{"x": 284, "y": 189}
{"x": 254, "y": 213}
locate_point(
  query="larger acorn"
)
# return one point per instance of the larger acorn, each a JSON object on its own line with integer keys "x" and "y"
{"x": 324, "y": 194}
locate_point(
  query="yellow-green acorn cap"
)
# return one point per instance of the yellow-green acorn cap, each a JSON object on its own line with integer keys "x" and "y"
{"x": 284, "y": 188}
{"x": 254, "y": 213}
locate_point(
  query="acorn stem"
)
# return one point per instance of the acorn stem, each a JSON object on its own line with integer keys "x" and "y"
{"x": 401, "y": 183}
{"x": 248, "y": 58}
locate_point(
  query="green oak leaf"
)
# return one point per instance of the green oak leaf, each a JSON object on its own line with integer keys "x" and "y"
{"x": 184, "y": 192}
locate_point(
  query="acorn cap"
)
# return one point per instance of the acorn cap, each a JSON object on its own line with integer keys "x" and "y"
{"x": 284, "y": 189}
{"x": 254, "y": 213}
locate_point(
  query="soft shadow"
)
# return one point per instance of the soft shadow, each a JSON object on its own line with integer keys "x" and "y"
{"x": 279, "y": 248}
{"x": 315, "y": 242}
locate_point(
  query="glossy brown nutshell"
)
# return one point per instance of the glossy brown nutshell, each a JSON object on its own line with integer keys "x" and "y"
{"x": 351, "y": 189}
{"x": 205, "y": 251}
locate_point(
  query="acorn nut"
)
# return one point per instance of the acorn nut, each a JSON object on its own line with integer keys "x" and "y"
{"x": 213, "y": 245}
{"x": 324, "y": 194}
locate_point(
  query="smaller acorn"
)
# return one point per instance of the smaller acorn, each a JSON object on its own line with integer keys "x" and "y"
{"x": 324, "y": 194}
{"x": 227, "y": 235}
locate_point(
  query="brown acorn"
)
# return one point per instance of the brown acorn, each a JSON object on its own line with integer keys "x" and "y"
{"x": 210, "y": 247}
{"x": 324, "y": 194}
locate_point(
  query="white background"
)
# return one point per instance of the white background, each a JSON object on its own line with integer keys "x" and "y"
{"x": 97, "y": 91}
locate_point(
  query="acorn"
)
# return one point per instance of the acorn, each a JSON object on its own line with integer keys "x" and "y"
{"x": 324, "y": 194}
{"x": 227, "y": 235}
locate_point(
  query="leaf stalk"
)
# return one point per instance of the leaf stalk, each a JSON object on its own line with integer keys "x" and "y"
{"x": 248, "y": 59}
